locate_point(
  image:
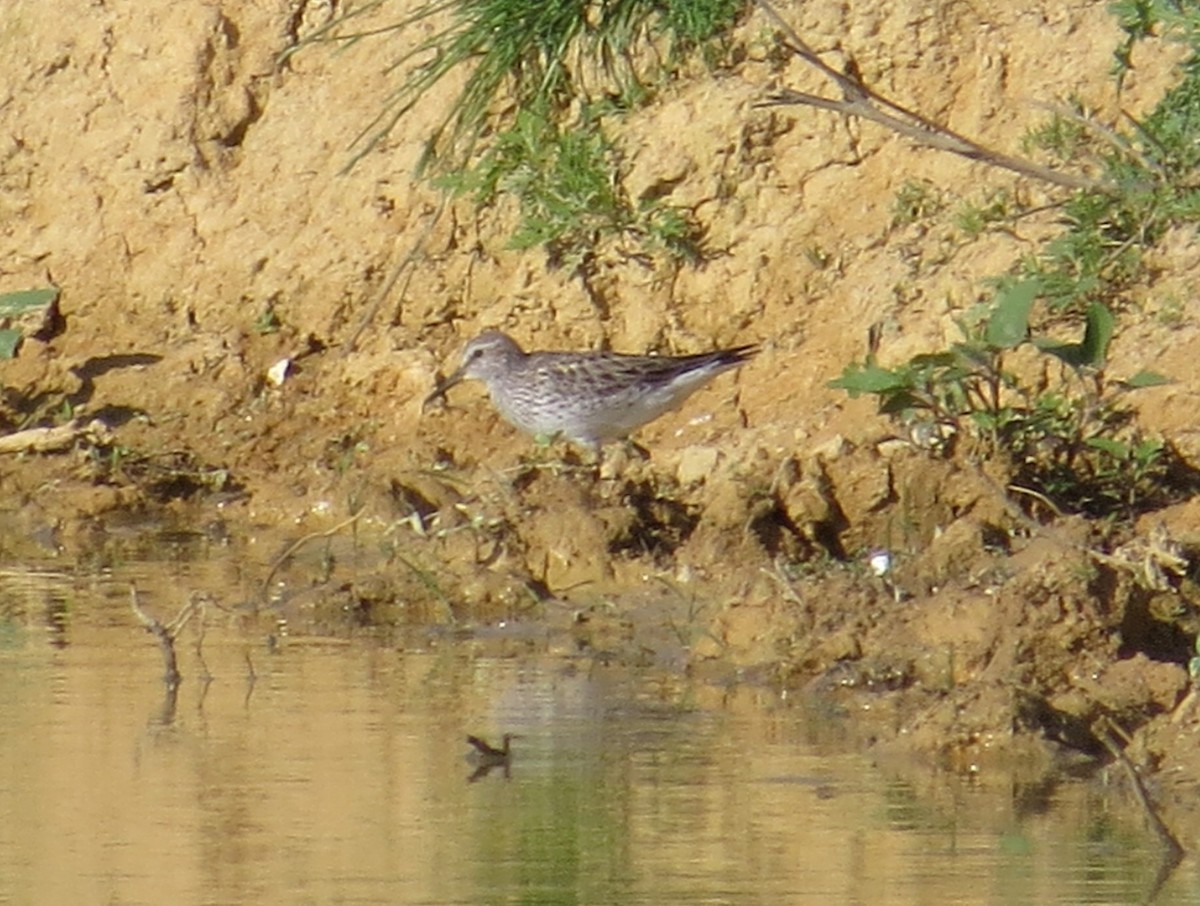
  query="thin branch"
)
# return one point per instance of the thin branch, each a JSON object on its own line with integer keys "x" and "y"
{"x": 198, "y": 603}
{"x": 376, "y": 303}
{"x": 166, "y": 639}
{"x": 1104, "y": 732}
{"x": 296, "y": 545}
{"x": 859, "y": 100}
{"x": 167, "y": 634}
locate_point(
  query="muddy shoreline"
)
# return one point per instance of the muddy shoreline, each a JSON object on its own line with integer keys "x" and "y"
{"x": 202, "y": 230}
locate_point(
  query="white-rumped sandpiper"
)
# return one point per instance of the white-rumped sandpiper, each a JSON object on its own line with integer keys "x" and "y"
{"x": 587, "y": 397}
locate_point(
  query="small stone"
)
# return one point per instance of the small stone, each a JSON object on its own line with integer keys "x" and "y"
{"x": 696, "y": 464}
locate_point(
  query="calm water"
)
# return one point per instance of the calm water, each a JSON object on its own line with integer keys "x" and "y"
{"x": 337, "y": 775}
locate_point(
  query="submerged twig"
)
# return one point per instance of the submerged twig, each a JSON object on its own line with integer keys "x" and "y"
{"x": 859, "y": 100}
{"x": 1103, "y": 730}
{"x": 206, "y": 676}
{"x": 167, "y": 634}
{"x": 296, "y": 545}
{"x": 166, "y": 641}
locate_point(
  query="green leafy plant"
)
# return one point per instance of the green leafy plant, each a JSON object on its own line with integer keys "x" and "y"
{"x": 1070, "y": 439}
{"x": 1140, "y": 19}
{"x": 915, "y": 200}
{"x": 540, "y": 79}
{"x": 267, "y": 321}
{"x": 542, "y": 55}
{"x": 1147, "y": 182}
{"x": 566, "y": 182}
{"x": 1065, "y": 136}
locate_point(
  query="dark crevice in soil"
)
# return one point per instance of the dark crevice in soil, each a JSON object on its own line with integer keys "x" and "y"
{"x": 661, "y": 524}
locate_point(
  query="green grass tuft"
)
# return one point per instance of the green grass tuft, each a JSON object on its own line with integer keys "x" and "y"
{"x": 542, "y": 55}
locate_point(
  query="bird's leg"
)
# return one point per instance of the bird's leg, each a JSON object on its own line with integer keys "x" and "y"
{"x": 557, "y": 460}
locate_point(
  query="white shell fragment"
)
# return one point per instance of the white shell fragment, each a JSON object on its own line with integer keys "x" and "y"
{"x": 880, "y": 563}
{"x": 278, "y": 372}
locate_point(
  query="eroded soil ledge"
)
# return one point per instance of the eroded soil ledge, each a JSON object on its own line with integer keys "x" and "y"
{"x": 201, "y": 231}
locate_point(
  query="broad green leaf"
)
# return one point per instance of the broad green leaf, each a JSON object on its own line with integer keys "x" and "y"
{"x": 1146, "y": 379}
{"x": 1008, "y": 325}
{"x": 1147, "y": 450}
{"x": 10, "y": 338}
{"x": 13, "y": 304}
{"x": 902, "y": 401}
{"x": 858, "y": 379}
{"x": 1097, "y": 336}
{"x": 1112, "y": 447}
{"x": 1071, "y": 353}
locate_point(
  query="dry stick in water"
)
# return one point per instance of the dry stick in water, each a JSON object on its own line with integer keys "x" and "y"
{"x": 859, "y": 100}
{"x": 1103, "y": 730}
{"x": 166, "y": 635}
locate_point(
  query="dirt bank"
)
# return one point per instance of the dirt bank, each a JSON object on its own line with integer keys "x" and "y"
{"x": 186, "y": 192}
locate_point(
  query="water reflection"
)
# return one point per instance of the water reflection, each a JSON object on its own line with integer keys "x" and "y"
{"x": 486, "y": 758}
{"x": 335, "y": 771}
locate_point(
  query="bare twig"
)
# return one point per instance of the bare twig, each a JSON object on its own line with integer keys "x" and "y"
{"x": 167, "y": 634}
{"x": 166, "y": 641}
{"x": 1185, "y": 705}
{"x": 295, "y": 546}
{"x": 206, "y": 676}
{"x": 376, "y": 303}
{"x": 57, "y": 438}
{"x": 859, "y": 100}
{"x": 1038, "y": 496}
{"x": 1104, "y": 732}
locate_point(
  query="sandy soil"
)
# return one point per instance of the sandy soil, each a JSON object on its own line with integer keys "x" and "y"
{"x": 183, "y": 188}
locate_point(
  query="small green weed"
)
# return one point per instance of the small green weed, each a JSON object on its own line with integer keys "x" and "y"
{"x": 974, "y": 218}
{"x": 1148, "y": 182}
{"x": 267, "y": 321}
{"x": 528, "y": 120}
{"x": 1172, "y": 312}
{"x": 914, "y": 201}
{"x": 1068, "y": 438}
{"x": 1064, "y": 137}
{"x": 692, "y": 23}
{"x": 543, "y": 55}
{"x": 344, "y": 452}
{"x": 567, "y": 184}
